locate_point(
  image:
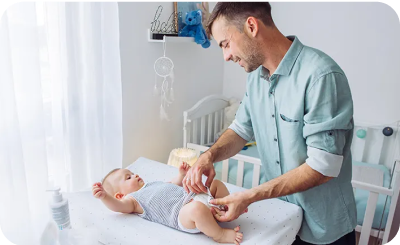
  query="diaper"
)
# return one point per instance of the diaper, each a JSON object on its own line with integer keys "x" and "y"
{"x": 206, "y": 198}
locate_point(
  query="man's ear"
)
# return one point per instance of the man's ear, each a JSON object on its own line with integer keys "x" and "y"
{"x": 251, "y": 26}
{"x": 119, "y": 195}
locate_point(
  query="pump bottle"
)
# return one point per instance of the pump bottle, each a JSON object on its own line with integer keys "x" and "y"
{"x": 59, "y": 209}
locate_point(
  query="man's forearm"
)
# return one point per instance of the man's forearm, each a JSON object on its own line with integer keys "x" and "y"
{"x": 299, "y": 179}
{"x": 227, "y": 145}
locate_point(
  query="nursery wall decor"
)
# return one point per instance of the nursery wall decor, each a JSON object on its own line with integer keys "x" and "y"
{"x": 164, "y": 68}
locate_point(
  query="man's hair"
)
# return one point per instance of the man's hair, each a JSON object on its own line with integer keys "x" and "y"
{"x": 236, "y": 13}
{"x": 107, "y": 185}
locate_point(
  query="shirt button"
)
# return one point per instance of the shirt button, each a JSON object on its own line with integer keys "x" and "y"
{"x": 277, "y": 162}
{"x": 275, "y": 139}
{"x": 273, "y": 115}
{"x": 272, "y": 93}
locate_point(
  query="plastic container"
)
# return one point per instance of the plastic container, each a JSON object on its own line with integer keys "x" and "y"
{"x": 59, "y": 209}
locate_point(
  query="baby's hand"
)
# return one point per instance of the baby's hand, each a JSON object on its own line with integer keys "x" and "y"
{"x": 98, "y": 191}
{"x": 184, "y": 168}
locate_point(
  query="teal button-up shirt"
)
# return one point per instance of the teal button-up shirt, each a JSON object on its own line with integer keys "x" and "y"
{"x": 304, "y": 113}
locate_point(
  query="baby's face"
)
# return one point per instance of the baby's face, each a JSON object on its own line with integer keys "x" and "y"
{"x": 127, "y": 181}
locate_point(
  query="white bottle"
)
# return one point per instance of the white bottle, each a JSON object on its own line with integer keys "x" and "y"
{"x": 59, "y": 209}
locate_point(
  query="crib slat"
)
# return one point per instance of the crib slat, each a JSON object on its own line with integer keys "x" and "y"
{"x": 395, "y": 186}
{"x": 368, "y": 218}
{"x": 209, "y": 128}
{"x": 202, "y": 129}
{"x": 225, "y": 169}
{"x": 256, "y": 175}
{"x": 379, "y": 142}
{"x": 358, "y": 146}
{"x": 194, "y": 131}
{"x": 216, "y": 129}
{"x": 221, "y": 119}
{"x": 239, "y": 176}
{"x": 189, "y": 134}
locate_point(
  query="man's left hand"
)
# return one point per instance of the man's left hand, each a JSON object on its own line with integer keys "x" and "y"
{"x": 235, "y": 205}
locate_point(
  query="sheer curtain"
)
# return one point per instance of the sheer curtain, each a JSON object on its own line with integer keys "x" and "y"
{"x": 60, "y": 106}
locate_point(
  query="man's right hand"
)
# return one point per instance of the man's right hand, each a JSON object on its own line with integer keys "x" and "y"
{"x": 193, "y": 179}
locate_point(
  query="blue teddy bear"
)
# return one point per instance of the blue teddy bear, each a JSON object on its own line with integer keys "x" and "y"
{"x": 194, "y": 28}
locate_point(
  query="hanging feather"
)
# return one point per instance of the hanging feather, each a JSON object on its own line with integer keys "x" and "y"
{"x": 163, "y": 114}
{"x": 171, "y": 94}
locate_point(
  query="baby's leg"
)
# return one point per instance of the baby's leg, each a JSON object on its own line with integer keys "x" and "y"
{"x": 197, "y": 215}
{"x": 218, "y": 189}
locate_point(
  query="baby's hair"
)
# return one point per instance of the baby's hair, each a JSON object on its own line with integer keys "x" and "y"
{"x": 108, "y": 187}
{"x": 111, "y": 172}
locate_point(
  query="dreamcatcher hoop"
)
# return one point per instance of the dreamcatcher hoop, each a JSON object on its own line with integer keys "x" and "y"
{"x": 164, "y": 67}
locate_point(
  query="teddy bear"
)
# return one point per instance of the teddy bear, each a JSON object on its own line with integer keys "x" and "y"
{"x": 205, "y": 14}
{"x": 194, "y": 28}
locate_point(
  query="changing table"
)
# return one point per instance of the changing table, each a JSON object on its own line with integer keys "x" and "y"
{"x": 267, "y": 222}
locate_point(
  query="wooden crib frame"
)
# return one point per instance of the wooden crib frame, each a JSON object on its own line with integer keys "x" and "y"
{"x": 205, "y": 119}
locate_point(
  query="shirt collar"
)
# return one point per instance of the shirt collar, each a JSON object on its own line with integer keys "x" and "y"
{"x": 287, "y": 63}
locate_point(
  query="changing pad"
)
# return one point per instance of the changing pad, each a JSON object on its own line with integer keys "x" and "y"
{"x": 267, "y": 222}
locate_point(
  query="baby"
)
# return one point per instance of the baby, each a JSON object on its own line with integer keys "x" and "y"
{"x": 166, "y": 203}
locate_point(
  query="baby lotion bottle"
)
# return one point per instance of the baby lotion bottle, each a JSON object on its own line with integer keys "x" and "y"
{"x": 59, "y": 209}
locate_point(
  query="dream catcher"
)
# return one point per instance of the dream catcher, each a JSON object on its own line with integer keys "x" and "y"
{"x": 164, "y": 67}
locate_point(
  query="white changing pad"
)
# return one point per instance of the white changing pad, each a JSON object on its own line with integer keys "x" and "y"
{"x": 267, "y": 222}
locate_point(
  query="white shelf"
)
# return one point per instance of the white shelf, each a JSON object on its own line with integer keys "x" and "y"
{"x": 170, "y": 39}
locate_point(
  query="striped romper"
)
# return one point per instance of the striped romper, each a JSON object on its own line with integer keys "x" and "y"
{"x": 161, "y": 203}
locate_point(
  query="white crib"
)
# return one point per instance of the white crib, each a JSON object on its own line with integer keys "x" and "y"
{"x": 204, "y": 120}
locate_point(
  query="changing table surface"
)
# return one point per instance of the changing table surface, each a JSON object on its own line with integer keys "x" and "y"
{"x": 267, "y": 222}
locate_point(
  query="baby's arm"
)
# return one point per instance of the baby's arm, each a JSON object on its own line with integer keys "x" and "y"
{"x": 125, "y": 205}
{"x": 183, "y": 168}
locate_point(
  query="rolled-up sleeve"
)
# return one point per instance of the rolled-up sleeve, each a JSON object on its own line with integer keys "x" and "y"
{"x": 242, "y": 124}
{"x": 328, "y": 116}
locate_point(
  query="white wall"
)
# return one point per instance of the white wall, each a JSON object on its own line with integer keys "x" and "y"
{"x": 198, "y": 73}
{"x": 363, "y": 38}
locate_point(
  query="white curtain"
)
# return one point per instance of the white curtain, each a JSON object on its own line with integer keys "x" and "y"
{"x": 60, "y": 106}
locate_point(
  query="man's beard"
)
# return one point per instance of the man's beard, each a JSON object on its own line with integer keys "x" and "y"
{"x": 254, "y": 58}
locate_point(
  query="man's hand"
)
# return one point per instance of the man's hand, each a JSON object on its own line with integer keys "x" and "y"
{"x": 235, "y": 205}
{"x": 98, "y": 191}
{"x": 193, "y": 179}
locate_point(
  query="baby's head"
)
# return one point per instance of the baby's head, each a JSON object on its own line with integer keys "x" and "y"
{"x": 120, "y": 182}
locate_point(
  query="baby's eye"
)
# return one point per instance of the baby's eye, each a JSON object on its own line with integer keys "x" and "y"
{"x": 129, "y": 177}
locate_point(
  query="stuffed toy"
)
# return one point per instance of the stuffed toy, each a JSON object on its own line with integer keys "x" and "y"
{"x": 194, "y": 28}
{"x": 205, "y": 14}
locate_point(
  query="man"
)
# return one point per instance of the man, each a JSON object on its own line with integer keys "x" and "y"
{"x": 299, "y": 109}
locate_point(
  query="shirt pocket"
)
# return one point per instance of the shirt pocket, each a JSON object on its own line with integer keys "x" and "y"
{"x": 287, "y": 119}
{"x": 290, "y": 132}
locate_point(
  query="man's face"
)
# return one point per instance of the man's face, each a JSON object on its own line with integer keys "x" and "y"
{"x": 237, "y": 46}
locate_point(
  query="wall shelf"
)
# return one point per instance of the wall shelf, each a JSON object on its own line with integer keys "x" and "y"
{"x": 170, "y": 39}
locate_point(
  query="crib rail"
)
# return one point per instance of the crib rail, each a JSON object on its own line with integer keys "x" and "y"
{"x": 374, "y": 147}
{"x": 204, "y": 120}
{"x": 374, "y": 191}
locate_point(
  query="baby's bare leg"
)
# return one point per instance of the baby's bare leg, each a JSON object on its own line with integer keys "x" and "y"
{"x": 218, "y": 189}
{"x": 197, "y": 215}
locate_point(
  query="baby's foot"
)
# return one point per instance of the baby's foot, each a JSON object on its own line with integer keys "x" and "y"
{"x": 183, "y": 168}
{"x": 230, "y": 236}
